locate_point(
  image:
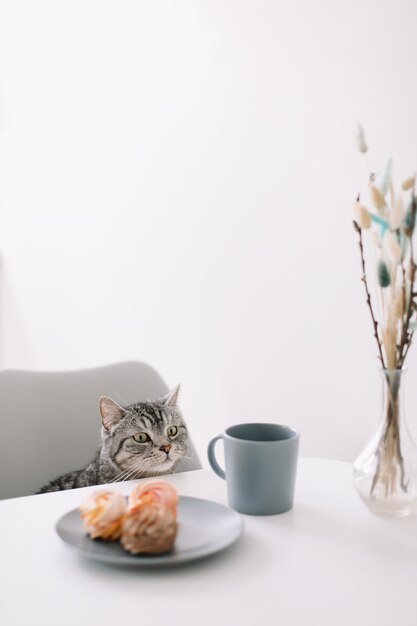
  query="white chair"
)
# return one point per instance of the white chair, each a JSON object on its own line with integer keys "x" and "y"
{"x": 50, "y": 423}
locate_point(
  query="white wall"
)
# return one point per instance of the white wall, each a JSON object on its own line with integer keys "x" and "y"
{"x": 176, "y": 187}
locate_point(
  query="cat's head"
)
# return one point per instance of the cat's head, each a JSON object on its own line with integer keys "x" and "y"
{"x": 145, "y": 438}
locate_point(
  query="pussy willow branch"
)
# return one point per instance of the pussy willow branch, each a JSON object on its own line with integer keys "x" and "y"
{"x": 410, "y": 339}
{"x": 404, "y": 299}
{"x": 406, "y": 338}
{"x": 368, "y": 295}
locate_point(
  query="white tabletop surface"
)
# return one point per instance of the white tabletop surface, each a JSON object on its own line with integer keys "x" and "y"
{"x": 328, "y": 561}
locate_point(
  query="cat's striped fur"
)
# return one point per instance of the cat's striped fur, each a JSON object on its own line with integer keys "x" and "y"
{"x": 122, "y": 455}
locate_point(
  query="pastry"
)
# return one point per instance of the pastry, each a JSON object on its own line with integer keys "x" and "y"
{"x": 103, "y": 512}
{"x": 149, "y": 529}
{"x": 156, "y": 491}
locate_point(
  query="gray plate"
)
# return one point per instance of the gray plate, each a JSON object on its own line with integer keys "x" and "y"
{"x": 204, "y": 527}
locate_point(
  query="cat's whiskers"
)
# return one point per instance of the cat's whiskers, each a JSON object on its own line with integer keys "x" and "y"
{"x": 140, "y": 467}
{"x": 188, "y": 460}
{"x": 128, "y": 472}
{"x": 119, "y": 477}
{"x": 132, "y": 474}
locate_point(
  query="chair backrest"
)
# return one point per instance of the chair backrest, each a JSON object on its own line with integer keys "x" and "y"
{"x": 50, "y": 423}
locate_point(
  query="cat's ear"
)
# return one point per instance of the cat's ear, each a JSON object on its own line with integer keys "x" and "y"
{"x": 111, "y": 413}
{"x": 171, "y": 398}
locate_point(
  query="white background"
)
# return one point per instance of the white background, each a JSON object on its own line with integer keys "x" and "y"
{"x": 177, "y": 180}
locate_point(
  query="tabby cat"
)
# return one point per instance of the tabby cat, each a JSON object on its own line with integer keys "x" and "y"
{"x": 138, "y": 440}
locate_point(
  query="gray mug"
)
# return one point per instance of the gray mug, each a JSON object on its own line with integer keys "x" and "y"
{"x": 261, "y": 465}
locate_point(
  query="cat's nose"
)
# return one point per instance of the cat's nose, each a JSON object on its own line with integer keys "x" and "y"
{"x": 166, "y": 448}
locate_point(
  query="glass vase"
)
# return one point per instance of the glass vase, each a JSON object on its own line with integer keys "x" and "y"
{"x": 385, "y": 473}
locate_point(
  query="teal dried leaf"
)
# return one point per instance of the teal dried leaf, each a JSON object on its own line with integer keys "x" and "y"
{"x": 383, "y": 274}
{"x": 382, "y": 223}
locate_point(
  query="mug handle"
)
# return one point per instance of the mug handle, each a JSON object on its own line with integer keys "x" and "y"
{"x": 212, "y": 458}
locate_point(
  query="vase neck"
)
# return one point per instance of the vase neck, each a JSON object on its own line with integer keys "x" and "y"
{"x": 393, "y": 378}
{"x": 393, "y": 382}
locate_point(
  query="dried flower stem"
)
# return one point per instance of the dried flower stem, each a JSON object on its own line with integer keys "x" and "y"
{"x": 390, "y": 458}
{"x": 368, "y": 295}
{"x": 406, "y": 337}
{"x": 410, "y": 339}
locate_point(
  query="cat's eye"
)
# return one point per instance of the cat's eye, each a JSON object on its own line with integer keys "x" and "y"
{"x": 172, "y": 431}
{"x": 141, "y": 437}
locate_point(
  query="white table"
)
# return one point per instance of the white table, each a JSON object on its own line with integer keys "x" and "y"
{"x": 328, "y": 561}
